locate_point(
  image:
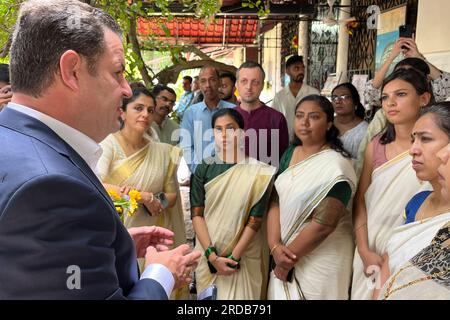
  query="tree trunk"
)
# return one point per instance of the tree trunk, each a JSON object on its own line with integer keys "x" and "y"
{"x": 137, "y": 50}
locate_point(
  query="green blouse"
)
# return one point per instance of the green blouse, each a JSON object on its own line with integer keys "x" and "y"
{"x": 341, "y": 190}
{"x": 206, "y": 172}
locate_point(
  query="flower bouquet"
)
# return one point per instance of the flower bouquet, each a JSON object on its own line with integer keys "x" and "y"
{"x": 126, "y": 205}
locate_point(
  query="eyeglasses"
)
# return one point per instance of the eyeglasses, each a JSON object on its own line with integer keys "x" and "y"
{"x": 165, "y": 99}
{"x": 340, "y": 98}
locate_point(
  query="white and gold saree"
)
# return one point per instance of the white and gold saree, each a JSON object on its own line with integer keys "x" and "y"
{"x": 419, "y": 261}
{"x": 393, "y": 184}
{"x": 228, "y": 201}
{"x": 324, "y": 273}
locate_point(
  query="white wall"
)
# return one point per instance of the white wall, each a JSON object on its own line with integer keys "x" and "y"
{"x": 433, "y": 32}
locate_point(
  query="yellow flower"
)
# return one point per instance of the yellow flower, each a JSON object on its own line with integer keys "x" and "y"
{"x": 119, "y": 209}
{"x": 134, "y": 194}
{"x": 113, "y": 194}
{"x": 133, "y": 206}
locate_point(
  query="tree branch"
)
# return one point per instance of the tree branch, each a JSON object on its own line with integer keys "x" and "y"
{"x": 137, "y": 50}
{"x": 5, "y": 50}
{"x": 197, "y": 51}
{"x": 170, "y": 74}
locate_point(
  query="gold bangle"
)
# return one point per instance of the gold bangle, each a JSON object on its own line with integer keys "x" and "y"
{"x": 364, "y": 224}
{"x": 274, "y": 247}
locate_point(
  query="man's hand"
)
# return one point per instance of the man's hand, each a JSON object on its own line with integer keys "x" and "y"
{"x": 181, "y": 261}
{"x": 159, "y": 238}
{"x": 5, "y": 96}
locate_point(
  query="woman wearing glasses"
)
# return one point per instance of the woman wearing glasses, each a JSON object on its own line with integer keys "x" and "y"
{"x": 349, "y": 117}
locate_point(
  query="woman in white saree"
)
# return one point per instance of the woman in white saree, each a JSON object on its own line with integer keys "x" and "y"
{"x": 309, "y": 228}
{"x": 417, "y": 262}
{"x": 387, "y": 181}
{"x": 229, "y": 197}
{"x": 131, "y": 159}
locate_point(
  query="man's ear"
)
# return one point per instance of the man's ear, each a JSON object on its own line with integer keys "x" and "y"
{"x": 70, "y": 65}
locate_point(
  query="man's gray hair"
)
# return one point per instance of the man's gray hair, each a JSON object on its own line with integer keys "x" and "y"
{"x": 251, "y": 65}
{"x": 209, "y": 66}
{"x": 45, "y": 29}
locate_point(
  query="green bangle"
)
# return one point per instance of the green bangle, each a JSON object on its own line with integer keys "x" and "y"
{"x": 238, "y": 265}
{"x": 210, "y": 250}
{"x": 233, "y": 258}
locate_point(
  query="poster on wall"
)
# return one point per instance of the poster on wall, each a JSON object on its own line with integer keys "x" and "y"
{"x": 359, "y": 81}
{"x": 387, "y": 34}
{"x": 331, "y": 82}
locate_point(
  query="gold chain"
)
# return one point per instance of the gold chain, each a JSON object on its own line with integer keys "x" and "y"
{"x": 389, "y": 290}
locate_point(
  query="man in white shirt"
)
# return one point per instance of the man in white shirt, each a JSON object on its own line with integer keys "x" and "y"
{"x": 287, "y": 99}
{"x": 60, "y": 235}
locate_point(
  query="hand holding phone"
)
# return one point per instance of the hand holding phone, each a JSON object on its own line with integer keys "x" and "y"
{"x": 162, "y": 198}
{"x": 405, "y": 31}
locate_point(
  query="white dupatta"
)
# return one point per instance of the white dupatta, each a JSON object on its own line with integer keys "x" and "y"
{"x": 325, "y": 273}
{"x": 408, "y": 249}
{"x": 393, "y": 185}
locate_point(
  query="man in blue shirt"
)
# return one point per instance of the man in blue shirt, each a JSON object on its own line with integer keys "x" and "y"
{"x": 196, "y": 136}
{"x": 186, "y": 98}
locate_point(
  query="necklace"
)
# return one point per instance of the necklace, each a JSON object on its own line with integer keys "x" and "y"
{"x": 422, "y": 215}
{"x": 128, "y": 147}
{"x": 390, "y": 291}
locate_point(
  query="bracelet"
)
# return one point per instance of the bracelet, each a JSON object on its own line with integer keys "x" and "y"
{"x": 274, "y": 247}
{"x": 233, "y": 258}
{"x": 210, "y": 250}
{"x": 364, "y": 224}
{"x": 237, "y": 266}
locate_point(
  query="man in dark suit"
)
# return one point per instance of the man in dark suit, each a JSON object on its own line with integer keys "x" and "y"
{"x": 60, "y": 236}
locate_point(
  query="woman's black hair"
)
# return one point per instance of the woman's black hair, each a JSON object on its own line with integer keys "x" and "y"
{"x": 228, "y": 112}
{"x": 441, "y": 115}
{"x": 360, "y": 112}
{"x": 415, "y": 63}
{"x": 4, "y": 73}
{"x": 332, "y": 135}
{"x": 137, "y": 88}
{"x": 420, "y": 83}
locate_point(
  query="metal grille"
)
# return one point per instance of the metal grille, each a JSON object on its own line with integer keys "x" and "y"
{"x": 322, "y": 49}
{"x": 362, "y": 43}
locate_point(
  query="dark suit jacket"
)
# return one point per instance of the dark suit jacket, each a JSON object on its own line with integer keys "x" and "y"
{"x": 55, "y": 213}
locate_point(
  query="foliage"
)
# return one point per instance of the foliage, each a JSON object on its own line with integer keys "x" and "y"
{"x": 8, "y": 14}
{"x": 127, "y": 14}
{"x": 259, "y": 5}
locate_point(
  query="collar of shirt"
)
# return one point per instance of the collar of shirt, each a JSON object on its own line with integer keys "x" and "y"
{"x": 87, "y": 148}
{"x": 219, "y": 105}
{"x": 288, "y": 91}
{"x": 261, "y": 107}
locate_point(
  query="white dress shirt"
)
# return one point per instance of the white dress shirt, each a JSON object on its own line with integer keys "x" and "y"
{"x": 285, "y": 102}
{"x": 91, "y": 151}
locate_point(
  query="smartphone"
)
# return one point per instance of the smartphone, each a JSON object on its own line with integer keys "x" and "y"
{"x": 405, "y": 31}
{"x": 210, "y": 293}
{"x": 162, "y": 198}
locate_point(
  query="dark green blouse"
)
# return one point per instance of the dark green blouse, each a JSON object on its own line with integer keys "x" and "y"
{"x": 207, "y": 171}
{"x": 341, "y": 190}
